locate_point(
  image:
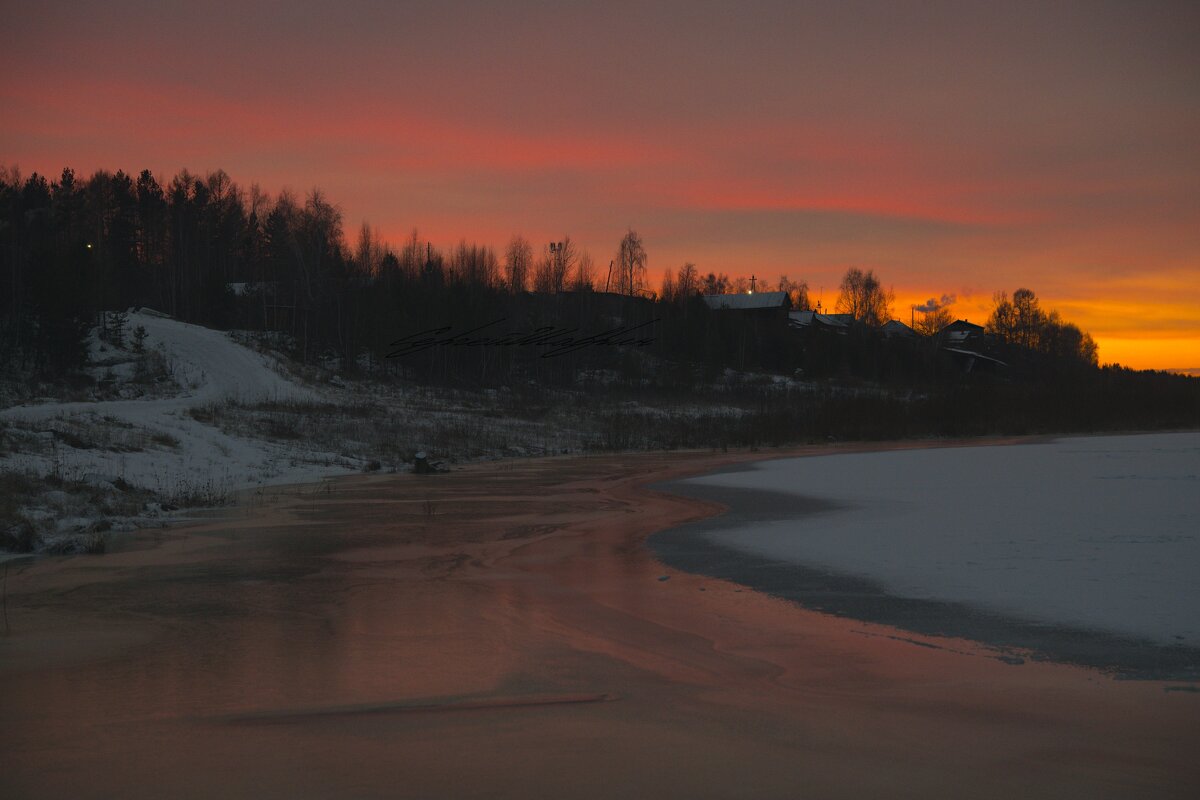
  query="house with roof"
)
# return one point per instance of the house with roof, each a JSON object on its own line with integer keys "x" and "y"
{"x": 895, "y": 329}
{"x": 774, "y": 302}
{"x": 816, "y": 321}
{"x": 966, "y": 343}
{"x": 959, "y": 332}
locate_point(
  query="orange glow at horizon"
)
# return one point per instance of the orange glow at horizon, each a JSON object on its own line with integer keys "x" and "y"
{"x": 1142, "y": 336}
{"x": 955, "y": 150}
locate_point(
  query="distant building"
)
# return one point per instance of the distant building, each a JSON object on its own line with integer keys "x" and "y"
{"x": 966, "y": 342}
{"x": 812, "y": 320}
{"x": 959, "y": 332}
{"x": 758, "y": 301}
{"x": 895, "y": 329}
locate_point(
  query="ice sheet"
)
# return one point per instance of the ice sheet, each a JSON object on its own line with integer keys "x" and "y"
{"x": 1101, "y": 533}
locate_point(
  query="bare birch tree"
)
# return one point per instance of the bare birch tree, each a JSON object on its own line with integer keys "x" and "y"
{"x": 862, "y": 296}
{"x": 630, "y": 264}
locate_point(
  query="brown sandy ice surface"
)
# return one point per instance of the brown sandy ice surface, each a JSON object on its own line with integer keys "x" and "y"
{"x": 501, "y": 631}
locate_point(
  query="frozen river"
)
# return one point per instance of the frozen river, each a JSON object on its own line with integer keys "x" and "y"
{"x": 1092, "y": 534}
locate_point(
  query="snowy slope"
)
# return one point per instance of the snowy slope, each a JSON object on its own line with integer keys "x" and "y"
{"x": 210, "y": 367}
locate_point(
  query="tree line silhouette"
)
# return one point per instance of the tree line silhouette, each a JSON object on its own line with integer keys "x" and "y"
{"x": 198, "y": 246}
{"x": 205, "y": 250}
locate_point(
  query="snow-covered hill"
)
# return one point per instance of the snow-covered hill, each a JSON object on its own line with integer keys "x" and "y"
{"x": 178, "y": 451}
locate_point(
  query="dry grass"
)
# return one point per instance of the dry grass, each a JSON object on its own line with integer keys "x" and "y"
{"x": 30, "y": 505}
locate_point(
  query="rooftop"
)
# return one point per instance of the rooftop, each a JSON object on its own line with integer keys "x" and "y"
{"x": 746, "y": 302}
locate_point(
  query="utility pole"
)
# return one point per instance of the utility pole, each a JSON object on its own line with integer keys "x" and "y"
{"x": 556, "y": 259}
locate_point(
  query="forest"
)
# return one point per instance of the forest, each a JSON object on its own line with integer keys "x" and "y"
{"x": 200, "y": 248}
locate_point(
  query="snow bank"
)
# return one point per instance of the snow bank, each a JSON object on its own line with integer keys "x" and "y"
{"x": 210, "y": 367}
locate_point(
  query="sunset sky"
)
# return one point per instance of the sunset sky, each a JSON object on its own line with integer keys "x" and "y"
{"x": 956, "y": 148}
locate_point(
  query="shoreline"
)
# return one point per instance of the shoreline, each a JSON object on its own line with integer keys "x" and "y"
{"x": 862, "y": 599}
{"x": 696, "y": 548}
{"x": 316, "y": 644}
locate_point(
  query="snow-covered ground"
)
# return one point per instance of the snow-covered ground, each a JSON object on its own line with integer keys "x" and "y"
{"x": 178, "y": 450}
{"x": 1101, "y": 533}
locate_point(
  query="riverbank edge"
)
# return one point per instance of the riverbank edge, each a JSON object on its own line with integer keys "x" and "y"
{"x": 689, "y": 548}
